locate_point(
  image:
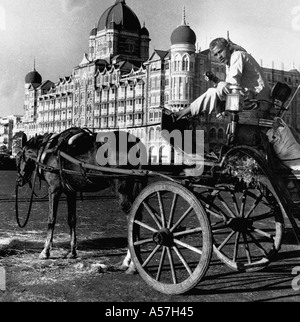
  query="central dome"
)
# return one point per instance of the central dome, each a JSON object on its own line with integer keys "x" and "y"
{"x": 183, "y": 35}
{"x": 122, "y": 16}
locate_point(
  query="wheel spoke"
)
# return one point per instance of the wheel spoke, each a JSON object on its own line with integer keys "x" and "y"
{"x": 263, "y": 233}
{"x": 153, "y": 215}
{"x": 172, "y": 210}
{"x": 235, "y": 203}
{"x": 267, "y": 215}
{"x": 182, "y": 260}
{"x": 192, "y": 248}
{"x": 161, "y": 262}
{"x": 145, "y": 226}
{"x": 181, "y": 219}
{"x": 188, "y": 232}
{"x": 151, "y": 256}
{"x": 256, "y": 202}
{"x": 226, "y": 240}
{"x": 142, "y": 242}
{"x": 220, "y": 227}
{"x": 236, "y": 246}
{"x": 161, "y": 208}
{"x": 257, "y": 243}
{"x": 172, "y": 265}
{"x": 244, "y": 199}
{"x": 247, "y": 248}
{"x": 212, "y": 208}
{"x": 224, "y": 203}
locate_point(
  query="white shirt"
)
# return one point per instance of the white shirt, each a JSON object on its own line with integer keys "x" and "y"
{"x": 246, "y": 72}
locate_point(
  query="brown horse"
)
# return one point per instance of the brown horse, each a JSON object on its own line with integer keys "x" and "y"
{"x": 118, "y": 150}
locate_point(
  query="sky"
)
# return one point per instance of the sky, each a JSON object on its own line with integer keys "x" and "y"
{"x": 54, "y": 34}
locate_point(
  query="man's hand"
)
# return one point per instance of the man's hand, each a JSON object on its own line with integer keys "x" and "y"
{"x": 182, "y": 113}
{"x": 220, "y": 116}
{"x": 223, "y": 88}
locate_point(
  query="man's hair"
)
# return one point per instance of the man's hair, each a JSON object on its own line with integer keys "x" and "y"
{"x": 218, "y": 41}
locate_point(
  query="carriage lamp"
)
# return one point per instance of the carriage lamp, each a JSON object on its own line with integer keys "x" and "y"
{"x": 233, "y": 102}
{"x": 233, "y": 105}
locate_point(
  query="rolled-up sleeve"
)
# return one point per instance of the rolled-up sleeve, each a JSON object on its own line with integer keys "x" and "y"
{"x": 235, "y": 70}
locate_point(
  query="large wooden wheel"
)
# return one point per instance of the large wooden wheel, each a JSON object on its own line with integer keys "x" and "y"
{"x": 169, "y": 237}
{"x": 246, "y": 219}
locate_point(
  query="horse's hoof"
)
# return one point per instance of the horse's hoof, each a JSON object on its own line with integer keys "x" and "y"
{"x": 44, "y": 255}
{"x": 131, "y": 271}
{"x": 71, "y": 256}
{"x": 120, "y": 266}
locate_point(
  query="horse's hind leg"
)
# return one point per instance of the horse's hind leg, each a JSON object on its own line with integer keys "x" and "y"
{"x": 53, "y": 207}
{"x": 71, "y": 201}
{"x": 126, "y": 193}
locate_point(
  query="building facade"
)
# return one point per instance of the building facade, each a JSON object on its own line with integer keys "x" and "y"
{"x": 119, "y": 85}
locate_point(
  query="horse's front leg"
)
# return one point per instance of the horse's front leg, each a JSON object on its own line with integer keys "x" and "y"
{"x": 53, "y": 207}
{"x": 71, "y": 201}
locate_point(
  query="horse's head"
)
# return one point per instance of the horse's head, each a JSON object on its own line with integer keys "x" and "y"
{"x": 26, "y": 160}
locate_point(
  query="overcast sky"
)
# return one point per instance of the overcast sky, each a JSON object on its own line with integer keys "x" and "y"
{"x": 55, "y": 33}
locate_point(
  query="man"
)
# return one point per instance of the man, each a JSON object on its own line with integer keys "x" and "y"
{"x": 242, "y": 70}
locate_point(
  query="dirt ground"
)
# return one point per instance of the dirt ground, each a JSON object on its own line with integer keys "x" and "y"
{"x": 102, "y": 239}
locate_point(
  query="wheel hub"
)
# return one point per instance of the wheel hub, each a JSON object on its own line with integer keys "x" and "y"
{"x": 164, "y": 237}
{"x": 240, "y": 224}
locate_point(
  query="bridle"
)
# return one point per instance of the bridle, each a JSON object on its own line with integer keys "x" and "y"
{"x": 25, "y": 177}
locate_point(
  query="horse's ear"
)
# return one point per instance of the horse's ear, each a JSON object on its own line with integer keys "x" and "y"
{"x": 24, "y": 139}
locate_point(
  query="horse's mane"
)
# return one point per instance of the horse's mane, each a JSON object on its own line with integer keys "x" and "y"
{"x": 36, "y": 141}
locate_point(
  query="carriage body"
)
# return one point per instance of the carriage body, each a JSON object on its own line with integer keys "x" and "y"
{"x": 236, "y": 208}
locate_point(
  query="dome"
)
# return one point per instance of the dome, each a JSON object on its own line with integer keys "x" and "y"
{"x": 121, "y": 15}
{"x": 93, "y": 32}
{"x": 183, "y": 35}
{"x": 33, "y": 78}
{"x": 144, "y": 32}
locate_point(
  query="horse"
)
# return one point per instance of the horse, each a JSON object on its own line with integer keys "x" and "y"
{"x": 285, "y": 144}
{"x": 115, "y": 150}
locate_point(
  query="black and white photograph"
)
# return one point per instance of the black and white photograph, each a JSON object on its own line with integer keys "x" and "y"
{"x": 149, "y": 154}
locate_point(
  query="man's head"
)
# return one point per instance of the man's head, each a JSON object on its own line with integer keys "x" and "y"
{"x": 221, "y": 49}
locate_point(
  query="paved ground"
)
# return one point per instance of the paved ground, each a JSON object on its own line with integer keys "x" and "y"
{"x": 102, "y": 240}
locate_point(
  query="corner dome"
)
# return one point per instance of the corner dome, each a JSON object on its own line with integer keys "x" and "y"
{"x": 144, "y": 31}
{"x": 93, "y": 32}
{"x": 33, "y": 78}
{"x": 121, "y": 15}
{"x": 183, "y": 35}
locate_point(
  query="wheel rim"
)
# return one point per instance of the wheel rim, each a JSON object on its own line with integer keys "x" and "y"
{"x": 169, "y": 238}
{"x": 247, "y": 225}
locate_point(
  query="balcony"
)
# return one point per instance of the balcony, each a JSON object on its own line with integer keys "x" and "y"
{"x": 139, "y": 108}
{"x": 129, "y": 123}
{"x": 129, "y": 109}
{"x": 138, "y": 122}
{"x": 112, "y": 111}
{"x": 121, "y": 109}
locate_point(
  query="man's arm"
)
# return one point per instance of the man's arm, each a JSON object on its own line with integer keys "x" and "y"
{"x": 235, "y": 70}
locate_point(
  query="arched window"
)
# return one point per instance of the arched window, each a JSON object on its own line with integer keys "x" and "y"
{"x": 220, "y": 134}
{"x": 151, "y": 134}
{"x": 212, "y": 134}
{"x": 177, "y": 61}
{"x": 185, "y": 63}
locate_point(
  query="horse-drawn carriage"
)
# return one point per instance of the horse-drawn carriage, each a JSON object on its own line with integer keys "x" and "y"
{"x": 236, "y": 208}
